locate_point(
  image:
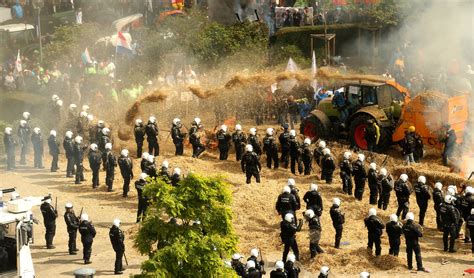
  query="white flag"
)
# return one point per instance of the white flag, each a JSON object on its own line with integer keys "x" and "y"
{"x": 18, "y": 67}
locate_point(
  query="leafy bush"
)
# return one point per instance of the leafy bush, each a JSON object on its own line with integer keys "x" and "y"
{"x": 187, "y": 249}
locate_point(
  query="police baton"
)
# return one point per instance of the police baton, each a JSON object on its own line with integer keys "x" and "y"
{"x": 125, "y": 257}
{"x": 261, "y": 260}
{"x": 80, "y": 214}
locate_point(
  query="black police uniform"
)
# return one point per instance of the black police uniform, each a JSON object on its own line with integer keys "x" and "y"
{"x": 9, "y": 144}
{"x": 195, "y": 140}
{"x": 87, "y": 231}
{"x": 117, "y": 239}
{"x": 402, "y": 192}
{"x": 327, "y": 168}
{"x": 284, "y": 139}
{"x": 239, "y": 267}
{"x": 126, "y": 169}
{"x": 72, "y": 223}
{"x": 165, "y": 175}
{"x": 288, "y": 237}
{"x": 386, "y": 184}
{"x": 412, "y": 232}
{"x": 104, "y": 139}
{"x": 295, "y": 155}
{"x": 450, "y": 218}
{"x": 178, "y": 139}
{"x": 292, "y": 271}
{"x": 314, "y": 202}
{"x": 338, "y": 220}
{"x": 139, "y": 133}
{"x": 360, "y": 175}
{"x": 438, "y": 199}
{"x": 24, "y": 137}
{"x": 253, "y": 140}
{"x": 422, "y": 198}
{"x": 223, "y": 143}
{"x": 253, "y": 273}
{"x": 466, "y": 204}
{"x": 151, "y": 131}
{"x": 175, "y": 179}
{"x": 150, "y": 169}
{"x": 110, "y": 164}
{"x": 239, "y": 139}
{"x": 278, "y": 273}
{"x": 95, "y": 160}
{"x": 346, "y": 176}
{"x": 286, "y": 203}
{"x": 373, "y": 180}
{"x": 394, "y": 231}
{"x": 49, "y": 218}
{"x": 271, "y": 150}
{"x": 78, "y": 154}
{"x": 374, "y": 228}
{"x": 318, "y": 154}
{"x": 251, "y": 166}
{"x": 37, "y": 141}
{"x": 258, "y": 264}
{"x": 307, "y": 159}
{"x": 68, "y": 146}
{"x": 54, "y": 151}
{"x": 142, "y": 199}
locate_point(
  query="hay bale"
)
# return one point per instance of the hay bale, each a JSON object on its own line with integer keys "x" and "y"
{"x": 134, "y": 110}
{"x": 124, "y": 133}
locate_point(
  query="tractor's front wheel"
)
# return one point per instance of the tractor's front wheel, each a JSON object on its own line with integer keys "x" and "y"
{"x": 357, "y": 134}
{"x": 313, "y": 128}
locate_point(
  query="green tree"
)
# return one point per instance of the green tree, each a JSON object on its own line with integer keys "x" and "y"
{"x": 388, "y": 12}
{"x": 185, "y": 248}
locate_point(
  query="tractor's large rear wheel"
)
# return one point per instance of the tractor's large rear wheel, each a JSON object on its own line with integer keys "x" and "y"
{"x": 357, "y": 134}
{"x": 314, "y": 128}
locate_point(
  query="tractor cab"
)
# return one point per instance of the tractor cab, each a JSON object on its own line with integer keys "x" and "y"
{"x": 16, "y": 235}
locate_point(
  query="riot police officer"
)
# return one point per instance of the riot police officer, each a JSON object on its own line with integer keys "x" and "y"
{"x": 142, "y": 199}
{"x": 253, "y": 140}
{"x": 126, "y": 170}
{"x": 37, "y": 141}
{"x": 346, "y": 173}
{"x": 286, "y": 203}
{"x": 450, "y": 218}
{"x": 292, "y": 270}
{"x": 68, "y": 145}
{"x": 314, "y": 225}
{"x": 394, "y": 231}
{"x": 164, "y": 172}
{"x": 251, "y": 164}
{"x": 87, "y": 231}
{"x": 288, "y": 235}
{"x": 422, "y": 197}
{"x": 78, "y": 153}
{"x": 402, "y": 192}
{"x": 386, "y": 184}
{"x": 223, "y": 141}
{"x": 295, "y": 153}
{"x": 24, "y": 132}
{"x": 110, "y": 164}
{"x": 117, "y": 239}
{"x": 139, "y": 133}
{"x": 374, "y": 227}
{"x": 306, "y": 157}
{"x": 413, "y": 232}
{"x": 239, "y": 139}
{"x": 438, "y": 199}
{"x": 313, "y": 200}
{"x": 237, "y": 265}
{"x": 195, "y": 137}
{"x": 175, "y": 177}
{"x": 9, "y": 144}
{"x": 177, "y": 136}
{"x": 104, "y": 139}
{"x": 49, "y": 218}
{"x": 151, "y": 131}
{"x": 360, "y": 175}
{"x": 327, "y": 166}
{"x": 374, "y": 185}
{"x": 271, "y": 149}
{"x": 72, "y": 224}
{"x": 318, "y": 152}
{"x": 338, "y": 220}
{"x": 53, "y": 145}
{"x": 95, "y": 160}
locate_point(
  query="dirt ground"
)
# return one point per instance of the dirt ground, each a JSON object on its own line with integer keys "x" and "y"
{"x": 255, "y": 220}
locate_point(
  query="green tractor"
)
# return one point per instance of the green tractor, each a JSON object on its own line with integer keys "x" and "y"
{"x": 381, "y": 101}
